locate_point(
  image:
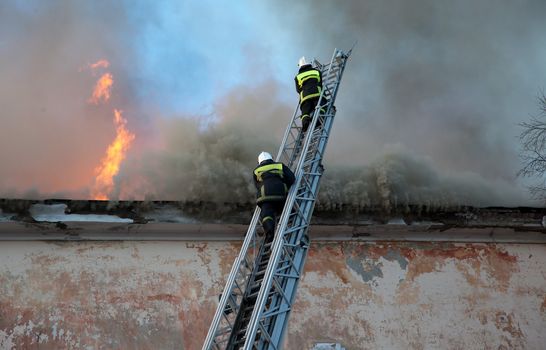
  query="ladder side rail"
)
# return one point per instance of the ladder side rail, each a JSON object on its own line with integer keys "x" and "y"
{"x": 290, "y": 280}
{"x": 335, "y": 88}
{"x": 300, "y": 256}
{"x": 278, "y": 241}
{"x": 306, "y": 146}
{"x": 291, "y": 153}
{"x": 277, "y": 244}
{"x": 316, "y": 114}
{"x": 323, "y": 90}
{"x": 282, "y": 152}
{"x": 213, "y": 330}
{"x": 247, "y": 297}
{"x": 343, "y": 59}
{"x": 278, "y": 334}
{"x": 289, "y": 160}
{"x": 230, "y": 283}
{"x": 281, "y": 302}
{"x": 297, "y": 140}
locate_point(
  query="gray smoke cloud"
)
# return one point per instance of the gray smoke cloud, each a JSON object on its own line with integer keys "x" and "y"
{"x": 210, "y": 161}
{"x": 446, "y": 80}
{"x": 214, "y": 164}
{"x": 427, "y": 111}
{"x": 399, "y": 179}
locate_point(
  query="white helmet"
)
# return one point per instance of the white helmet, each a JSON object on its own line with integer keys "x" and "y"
{"x": 302, "y": 62}
{"x": 264, "y": 156}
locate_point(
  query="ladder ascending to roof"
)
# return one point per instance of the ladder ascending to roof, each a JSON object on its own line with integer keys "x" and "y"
{"x": 261, "y": 288}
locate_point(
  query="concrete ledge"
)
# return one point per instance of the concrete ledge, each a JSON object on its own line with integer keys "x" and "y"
{"x": 241, "y": 213}
{"x": 76, "y": 220}
{"x": 95, "y": 231}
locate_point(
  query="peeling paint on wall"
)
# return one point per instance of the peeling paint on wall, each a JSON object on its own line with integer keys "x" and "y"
{"x": 107, "y": 295}
{"x": 384, "y": 295}
{"x": 434, "y": 295}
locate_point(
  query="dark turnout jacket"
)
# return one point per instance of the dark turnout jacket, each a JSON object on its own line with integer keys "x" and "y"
{"x": 308, "y": 82}
{"x": 272, "y": 181}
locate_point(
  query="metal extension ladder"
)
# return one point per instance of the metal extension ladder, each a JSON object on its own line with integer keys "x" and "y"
{"x": 254, "y": 307}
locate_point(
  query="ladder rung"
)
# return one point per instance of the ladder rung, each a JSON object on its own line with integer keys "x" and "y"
{"x": 280, "y": 281}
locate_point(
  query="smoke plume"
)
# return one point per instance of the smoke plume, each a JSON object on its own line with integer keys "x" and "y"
{"x": 447, "y": 81}
{"x": 427, "y": 110}
{"x": 215, "y": 164}
{"x": 211, "y": 162}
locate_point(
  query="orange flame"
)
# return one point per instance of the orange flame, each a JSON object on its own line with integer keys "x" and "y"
{"x": 100, "y": 64}
{"x": 102, "y": 90}
{"x": 104, "y": 181}
{"x": 94, "y": 66}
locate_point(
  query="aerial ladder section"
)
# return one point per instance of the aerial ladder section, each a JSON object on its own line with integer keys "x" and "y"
{"x": 261, "y": 288}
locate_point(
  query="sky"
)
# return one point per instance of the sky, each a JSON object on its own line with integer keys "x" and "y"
{"x": 427, "y": 112}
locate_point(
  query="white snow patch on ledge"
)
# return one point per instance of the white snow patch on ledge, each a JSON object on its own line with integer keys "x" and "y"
{"x": 4, "y": 217}
{"x": 56, "y": 212}
{"x": 169, "y": 214}
{"x": 396, "y": 221}
{"x": 427, "y": 223}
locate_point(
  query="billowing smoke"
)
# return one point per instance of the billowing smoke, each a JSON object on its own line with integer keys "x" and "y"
{"x": 399, "y": 179}
{"x": 446, "y": 81}
{"x": 214, "y": 161}
{"x": 427, "y": 111}
{"x": 215, "y": 164}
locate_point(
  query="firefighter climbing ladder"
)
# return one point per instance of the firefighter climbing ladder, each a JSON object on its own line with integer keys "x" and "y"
{"x": 261, "y": 288}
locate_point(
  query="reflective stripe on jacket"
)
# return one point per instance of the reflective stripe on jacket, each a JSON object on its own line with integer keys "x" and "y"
{"x": 308, "y": 82}
{"x": 272, "y": 181}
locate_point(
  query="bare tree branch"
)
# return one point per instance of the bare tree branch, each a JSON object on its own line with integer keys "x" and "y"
{"x": 533, "y": 152}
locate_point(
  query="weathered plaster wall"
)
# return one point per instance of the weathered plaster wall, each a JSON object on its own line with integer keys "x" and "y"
{"x": 162, "y": 295}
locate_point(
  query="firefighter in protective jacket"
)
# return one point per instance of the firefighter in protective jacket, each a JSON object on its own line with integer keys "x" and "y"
{"x": 309, "y": 86}
{"x": 272, "y": 181}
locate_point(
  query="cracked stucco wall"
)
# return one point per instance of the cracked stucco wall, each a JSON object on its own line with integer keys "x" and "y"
{"x": 365, "y": 295}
